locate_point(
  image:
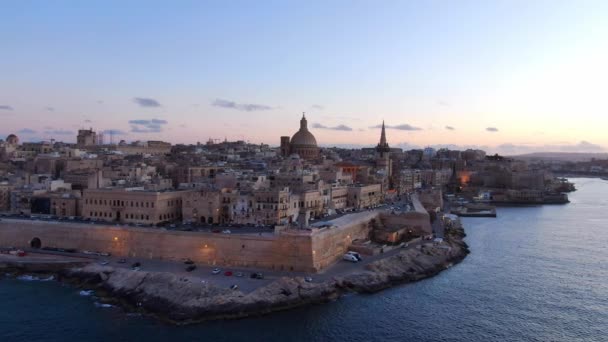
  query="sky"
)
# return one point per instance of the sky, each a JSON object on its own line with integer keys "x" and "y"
{"x": 506, "y": 76}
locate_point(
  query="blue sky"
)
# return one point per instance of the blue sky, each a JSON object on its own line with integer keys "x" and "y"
{"x": 504, "y": 75}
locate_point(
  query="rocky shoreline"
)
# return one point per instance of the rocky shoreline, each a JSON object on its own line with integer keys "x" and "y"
{"x": 181, "y": 300}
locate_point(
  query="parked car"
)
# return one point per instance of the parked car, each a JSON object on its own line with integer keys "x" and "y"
{"x": 122, "y": 261}
{"x": 136, "y": 264}
{"x": 188, "y": 262}
{"x": 356, "y": 255}
{"x": 239, "y": 274}
{"x": 257, "y": 275}
{"x": 226, "y": 231}
{"x": 350, "y": 257}
{"x": 308, "y": 279}
{"x": 234, "y": 287}
{"x": 190, "y": 268}
{"x": 228, "y": 273}
{"x": 103, "y": 263}
{"x": 216, "y": 271}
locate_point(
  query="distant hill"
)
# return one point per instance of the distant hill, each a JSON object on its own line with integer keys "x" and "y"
{"x": 561, "y": 156}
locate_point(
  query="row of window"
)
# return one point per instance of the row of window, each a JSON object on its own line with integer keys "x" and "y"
{"x": 133, "y": 204}
{"x": 162, "y": 217}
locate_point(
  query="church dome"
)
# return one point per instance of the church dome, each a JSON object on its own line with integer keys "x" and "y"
{"x": 12, "y": 139}
{"x": 303, "y": 137}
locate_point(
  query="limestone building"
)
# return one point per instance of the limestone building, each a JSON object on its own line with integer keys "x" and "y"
{"x": 132, "y": 206}
{"x": 86, "y": 137}
{"x": 302, "y": 143}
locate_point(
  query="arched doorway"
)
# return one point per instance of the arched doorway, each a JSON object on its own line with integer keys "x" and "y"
{"x": 203, "y": 220}
{"x": 35, "y": 243}
{"x": 210, "y": 220}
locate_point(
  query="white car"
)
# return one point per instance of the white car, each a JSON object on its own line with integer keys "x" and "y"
{"x": 350, "y": 257}
{"x": 226, "y": 231}
{"x": 216, "y": 271}
{"x": 355, "y": 254}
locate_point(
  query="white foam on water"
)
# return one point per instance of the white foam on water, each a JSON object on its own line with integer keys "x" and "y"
{"x": 85, "y": 292}
{"x": 103, "y": 305}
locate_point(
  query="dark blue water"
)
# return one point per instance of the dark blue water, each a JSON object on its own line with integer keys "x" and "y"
{"x": 534, "y": 274}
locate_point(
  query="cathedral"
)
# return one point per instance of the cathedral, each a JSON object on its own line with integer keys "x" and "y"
{"x": 302, "y": 143}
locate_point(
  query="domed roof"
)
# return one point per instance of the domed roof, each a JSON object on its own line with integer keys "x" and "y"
{"x": 12, "y": 139}
{"x": 303, "y": 137}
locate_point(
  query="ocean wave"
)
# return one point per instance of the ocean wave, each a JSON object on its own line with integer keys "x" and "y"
{"x": 27, "y": 277}
{"x": 103, "y": 305}
{"x": 85, "y": 292}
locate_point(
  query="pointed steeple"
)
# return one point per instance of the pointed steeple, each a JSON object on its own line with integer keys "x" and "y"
{"x": 383, "y": 145}
{"x": 383, "y": 135}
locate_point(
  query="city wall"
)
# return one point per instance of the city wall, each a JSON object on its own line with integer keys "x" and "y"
{"x": 288, "y": 250}
{"x": 329, "y": 244}
{"x": 282, "y": 252}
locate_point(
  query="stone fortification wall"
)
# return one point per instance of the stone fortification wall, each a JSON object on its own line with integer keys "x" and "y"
{"x": 282, "y": 252}
{"x": 329, "y": 244}
{"x": 287, "y": 250}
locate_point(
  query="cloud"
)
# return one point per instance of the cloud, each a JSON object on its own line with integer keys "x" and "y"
{"x": 114, "y": 132}
{"x": 450, "y": 128}
{"x": 50, "y": 109}
{"x": 147, "y": 126}
{"x": 87, "y": 121}
{"x": 99, "y": 101}
{"x": 59, "y": 132}
{"x": 317, "y": 107}
{"x": 247, "y": 107}
{"x": 443, "y": 103}
{"x": 580, "y": 147}
{"x": 492, "y": 129}
{"x": 335, "y": 128}
{"x": 146, "y": 102}
{"x": 583, "y": 146}
{"x": 6, "y": 107}
{"x": 401, "y": 127}
{"x": 26, "y": 131}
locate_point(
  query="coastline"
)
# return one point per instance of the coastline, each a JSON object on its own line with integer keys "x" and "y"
{"x": 181, "y": 300}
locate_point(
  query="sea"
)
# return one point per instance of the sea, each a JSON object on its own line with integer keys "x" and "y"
{"x": 536, "y": 273}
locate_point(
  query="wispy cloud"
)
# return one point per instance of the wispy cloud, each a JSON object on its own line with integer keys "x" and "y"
{"x": 147, "y": 126}
{"x": 50, "y": 109}
{"x": 114, "y": 132}
{"x": 146, "y": 102}
{"x": 581, "y": 147}
{"x": 401, "y": 127}
{"x": 450, "y": 128}
{"x": 59, "y": 132}
{"x": 6, "y": 107}
{"x": 334, "y": 128}
{"x": 443, "y": 103}
{"x": 246, "y": 107}
{"x": 87, "y": 121}
{"x": 26, "y": 131}
{"x": 317, "y": 107}
{"x": 492, "y": 129}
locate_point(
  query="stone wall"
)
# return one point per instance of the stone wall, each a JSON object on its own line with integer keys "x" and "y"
{"x": 282, "y": 252}
{"x": 329, "y": 244}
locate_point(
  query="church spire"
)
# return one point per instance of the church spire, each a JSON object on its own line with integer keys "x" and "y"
{"x": 383, "y": 145}
{"x": 383, "y": 135}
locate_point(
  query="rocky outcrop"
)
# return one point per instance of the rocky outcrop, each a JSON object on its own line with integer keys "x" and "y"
{"x": 186, "y": 300}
